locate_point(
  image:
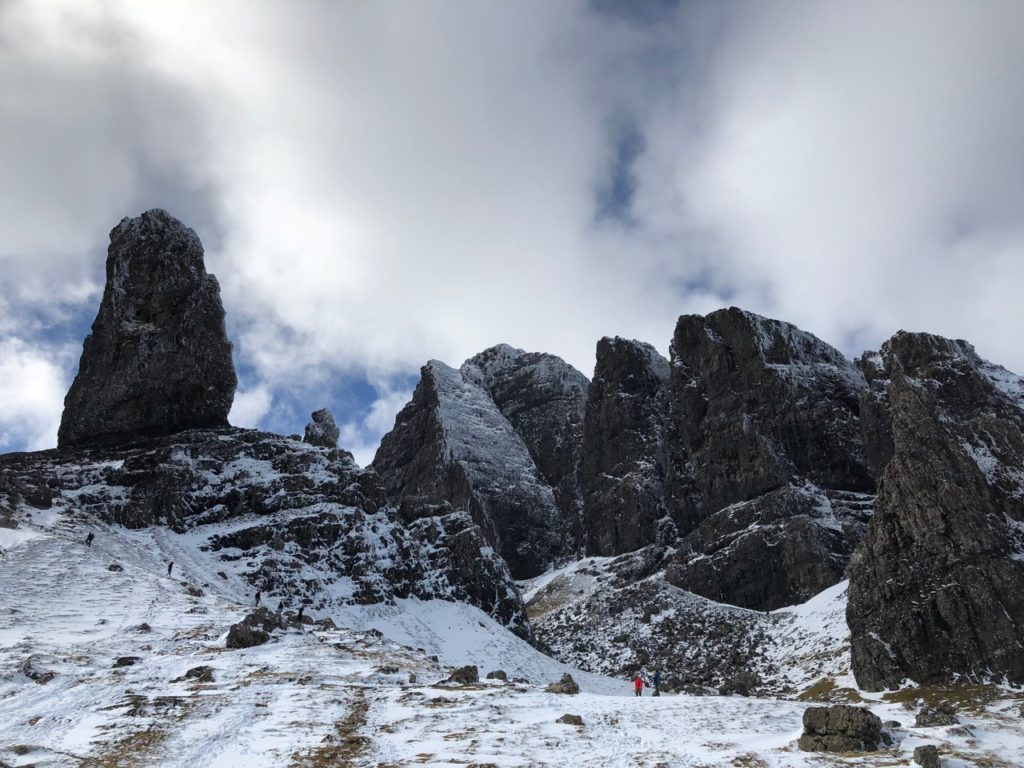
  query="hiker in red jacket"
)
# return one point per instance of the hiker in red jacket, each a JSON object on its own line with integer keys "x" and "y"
{"x": 638, "y": 685}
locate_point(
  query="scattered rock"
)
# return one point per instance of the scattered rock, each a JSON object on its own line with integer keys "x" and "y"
{"x": 942, "y": 714}
{"x": 465, "y": 675}
{"x": 115, "y": 568}
{"x": 143, "y": 627}
{"x": 322, "y": 430}
{"x": 158, "y": 360}
{"x": 927, "y": 756}
{"x": 498, "y": 674}
{"x": 412, "y": 678}
{"x": 388, "y": 669}
{"x": 565, "y": 685}
{"x": 568, "y": 719}
{"x": 127, "y": 661}
{"x": 222, "y": 575}
{"x": 33, "y": 672}
{"x": 194, "y": 591}
{"x": 201, "y": 674}
{"x": 841, "y": 728}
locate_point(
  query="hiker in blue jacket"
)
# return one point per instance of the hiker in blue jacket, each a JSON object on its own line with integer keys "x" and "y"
{"x": 657, "y": 683}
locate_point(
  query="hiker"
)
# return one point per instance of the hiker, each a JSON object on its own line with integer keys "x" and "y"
{"x": 170, "y": 565}
{"x": 638, "y": 685}
{"x": 280, "y": 608}
{"x": 657, "y": 684}
{"x": 258, "y": 596}
{"x": 299, "y": 617}
{"x": 89, "y": 538}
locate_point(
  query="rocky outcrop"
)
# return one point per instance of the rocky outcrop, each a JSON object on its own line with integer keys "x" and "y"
{"x": 322, "y": 430}
{"x": 309, "y": 525}
{"x": 937, "y": 592}
{"x": 453, "y": 448}
{"x": 767, "y": 478}
{"x": 841, "y": 728}
{"x": 755, "y": 404}
{"x": 158, "y": 360}
{"x": 779, "y": 549}
{"x": 875, "y": 418}
{"x": 544, "y": 399}
{"x": 622, "y": 467}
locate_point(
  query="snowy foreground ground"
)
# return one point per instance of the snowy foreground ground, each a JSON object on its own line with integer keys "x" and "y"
{"x": 366, "y": 694}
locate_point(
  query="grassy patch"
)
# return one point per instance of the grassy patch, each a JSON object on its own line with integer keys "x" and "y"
{"x": 341, "y": 748}
{"x": 972, "y": 699}
{"x": 826, "y": 690}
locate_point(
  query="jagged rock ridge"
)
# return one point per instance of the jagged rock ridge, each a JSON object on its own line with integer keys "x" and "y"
{"x": 158, "y": 360}
{"x": 937, "y": 592}
{"x": 453, "y": 447}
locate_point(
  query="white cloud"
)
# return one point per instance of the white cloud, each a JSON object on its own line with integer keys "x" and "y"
{"x": 376, "y": 188}
{"x": 32, "y": 391}
{"x": 250, "y": 406}
{"x": 362, "y": 436}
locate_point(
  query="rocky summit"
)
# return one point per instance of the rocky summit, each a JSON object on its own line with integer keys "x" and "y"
{"x": 158, "y": 360}
{"x": 937, "y": 592}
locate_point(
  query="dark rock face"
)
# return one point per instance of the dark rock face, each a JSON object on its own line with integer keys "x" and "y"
{"x": 158, "y": 360}
{"x": 622, "y": 468}
{"x": 453, "y": 448}
{"x": 841, "y": 728}
{"x": 875, "y": 418}
{"x": 312, "y": 518}
{"x": 322, "y": 430}
{"x": 779, "y": 549}
{"x": 754, "y": 404}
{"x": 544, "y": 399}
{"x": 937, "y": 592}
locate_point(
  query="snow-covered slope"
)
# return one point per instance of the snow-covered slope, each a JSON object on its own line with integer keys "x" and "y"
{"x": 365, "y": 694}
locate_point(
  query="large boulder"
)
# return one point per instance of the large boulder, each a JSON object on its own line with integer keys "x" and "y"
{"x": 937, "y": 592}
{"x": 158, "y": 360}
{"x": 453, "y": 448}
{"x": 622, "y": 468}
{"x": 841, "y": 728}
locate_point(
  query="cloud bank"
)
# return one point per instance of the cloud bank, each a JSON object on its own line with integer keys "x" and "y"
{"x": 377, "y": 186}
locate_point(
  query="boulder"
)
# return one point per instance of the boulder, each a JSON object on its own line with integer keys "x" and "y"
{"x": 568, "y": 719}
{"x": 566, "y": 685}
{"x": 200, "y": 674}
{"x": 465, "y": 675}
{"x": 126, "y": 661}
{"x": 841, "y": 728}
{"x": 115, "y": 568}
{"x": 927, "y": 756}
{"x": 254, "y": 629}
{"x": 940, "y": 715}
{"x": 622, "y": 468}
{"x": 937, "y": 592}
{"x": 498, "y": 674}
{"x": 158, "y": 360}
{"x": 322, "y": 430}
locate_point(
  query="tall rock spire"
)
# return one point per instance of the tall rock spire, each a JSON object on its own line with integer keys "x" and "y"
{"x": 158, "y": 360}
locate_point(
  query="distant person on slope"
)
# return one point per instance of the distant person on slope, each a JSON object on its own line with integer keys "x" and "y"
{"x": 657, "y": 684}
{"x": 258, "y": 596}
{"x": 638, "y": 685}
{"x": 89, "y": 538}
{"x": 170, "y": 566}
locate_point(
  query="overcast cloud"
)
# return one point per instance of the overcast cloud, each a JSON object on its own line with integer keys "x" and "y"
{"x": 378, "y": 184}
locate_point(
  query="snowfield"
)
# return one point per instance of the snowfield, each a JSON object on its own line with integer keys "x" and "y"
{"x": 369, "y": 693}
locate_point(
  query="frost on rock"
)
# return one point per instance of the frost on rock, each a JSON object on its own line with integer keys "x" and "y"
{"x": 453, "y": 448}
{"x": 937, "y": 594}
{"x": 308, "y": 524}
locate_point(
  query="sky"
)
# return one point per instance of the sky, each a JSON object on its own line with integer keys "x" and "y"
{"x": 378, "y": 184}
